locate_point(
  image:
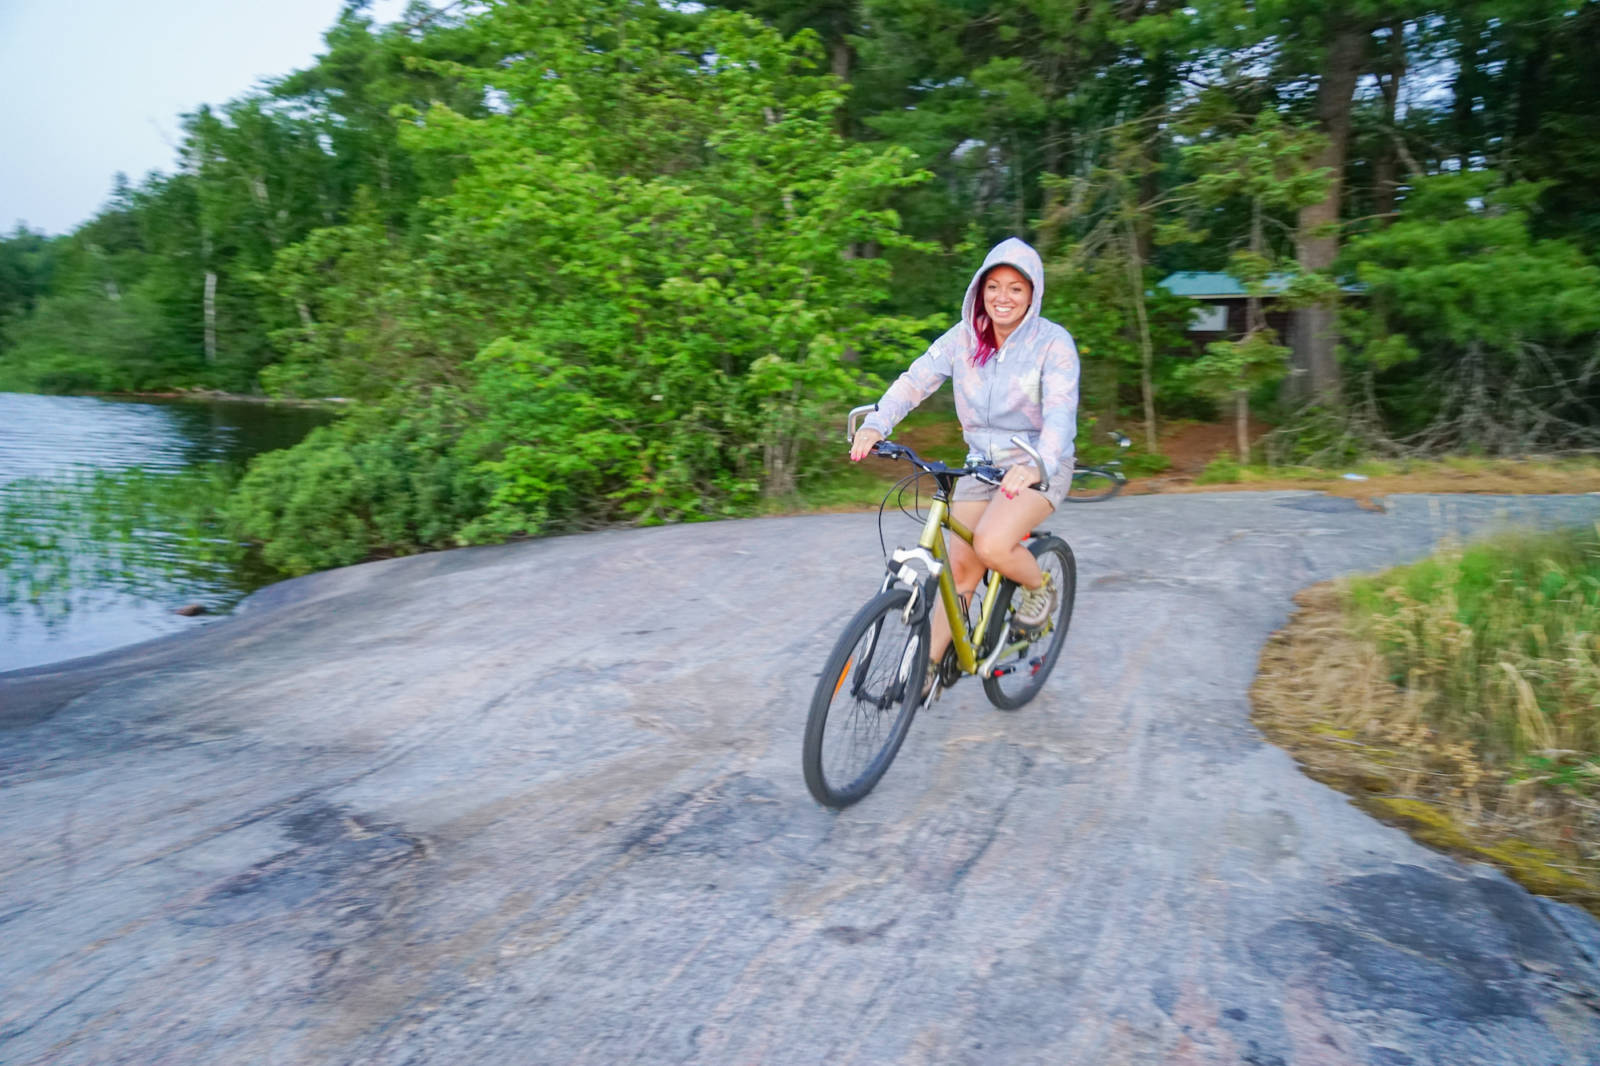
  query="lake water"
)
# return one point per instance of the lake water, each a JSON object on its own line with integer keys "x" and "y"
{"x": 116, "y": 579}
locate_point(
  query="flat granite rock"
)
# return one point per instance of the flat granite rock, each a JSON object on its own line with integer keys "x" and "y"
{"x": 542, "y": 803}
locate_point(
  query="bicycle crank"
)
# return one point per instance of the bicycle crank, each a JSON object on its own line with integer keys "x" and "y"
{"x": 1010, "y": 668}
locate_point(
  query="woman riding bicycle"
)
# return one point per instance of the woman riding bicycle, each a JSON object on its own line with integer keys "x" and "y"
{"x": 1014, "y": 373}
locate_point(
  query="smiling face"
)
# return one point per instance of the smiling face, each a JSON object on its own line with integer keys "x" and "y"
{"x": 1006, "y": 297}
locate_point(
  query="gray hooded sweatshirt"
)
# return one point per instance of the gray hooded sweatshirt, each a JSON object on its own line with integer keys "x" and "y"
{"x": 1030, "y": 387}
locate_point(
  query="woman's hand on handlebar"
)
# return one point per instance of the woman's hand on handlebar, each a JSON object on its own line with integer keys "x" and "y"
{"x": 1017, "y": 479}
{"x": 866, "y": 437}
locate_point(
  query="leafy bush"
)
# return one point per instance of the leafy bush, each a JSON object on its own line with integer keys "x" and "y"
{"x": 1223, "y": 470}
{"x": 381, "y": 482}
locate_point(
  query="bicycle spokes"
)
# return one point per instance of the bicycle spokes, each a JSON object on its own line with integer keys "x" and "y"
{"x": 855, "y": 729}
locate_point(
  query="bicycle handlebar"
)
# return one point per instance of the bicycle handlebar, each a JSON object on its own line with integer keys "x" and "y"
{"x": 890, "y": 450}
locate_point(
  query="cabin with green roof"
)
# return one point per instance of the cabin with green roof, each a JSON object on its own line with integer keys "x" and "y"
{"x": 1220, "y": 304}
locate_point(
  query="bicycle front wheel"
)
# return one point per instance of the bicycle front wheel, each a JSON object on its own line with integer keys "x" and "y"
{"x": 1090, "y": 483}
{"x": 1016, "y": 678}
{"x": 865, "y": 699}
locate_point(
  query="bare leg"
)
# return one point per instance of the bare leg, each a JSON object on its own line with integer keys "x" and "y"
{"x": 965, "y": 570}
{"x": 998, "y": 535}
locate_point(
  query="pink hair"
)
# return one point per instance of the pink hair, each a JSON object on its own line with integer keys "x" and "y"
{"x": 987, "y": 345}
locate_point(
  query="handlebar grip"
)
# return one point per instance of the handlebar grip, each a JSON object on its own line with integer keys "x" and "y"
{"x": 1038, "y": 461}
{"x": 852, "y": 421}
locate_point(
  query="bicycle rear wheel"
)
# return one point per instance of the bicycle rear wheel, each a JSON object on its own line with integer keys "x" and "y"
{"x": 1090, "y": 483}
{"x": 1016, "y": 678}
{"x": 865, "y": 699}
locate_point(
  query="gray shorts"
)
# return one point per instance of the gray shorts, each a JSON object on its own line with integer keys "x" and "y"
{"x": 970, "y": 490}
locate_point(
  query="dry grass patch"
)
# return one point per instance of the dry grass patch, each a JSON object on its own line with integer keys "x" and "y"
{"x": 1458, "y": 699}
{"x": 1380, "y": 478}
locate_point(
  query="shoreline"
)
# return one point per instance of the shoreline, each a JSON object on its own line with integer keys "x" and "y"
{"x": 219, "y": 396}
{"x": 200, "y": 396}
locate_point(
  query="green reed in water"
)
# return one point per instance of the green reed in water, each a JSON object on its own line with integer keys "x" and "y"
{"x": 158, "y": 535}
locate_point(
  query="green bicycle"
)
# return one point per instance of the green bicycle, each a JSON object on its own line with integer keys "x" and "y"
{"x": 870, "y": 687}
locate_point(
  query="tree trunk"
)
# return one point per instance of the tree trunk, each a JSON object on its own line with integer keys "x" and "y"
{"x": 1386, "y": 168}
{"x": 1100, "y": 375}
{"x": 1530, "y": 92}
{"x": 1255, "y": 318}
{"x": 210, "y": 310}
{"x": 1050, "y": 209}
{"x": 1146, "y": 348}
{"x": 1241, "y": 423}
{"x": 840, "y": 57}
{"x": 1019, "y": 226}
{"x": 1469, "y": 41}
{"x": 1316, "y": 366}
{"x": 1143, "y": 241}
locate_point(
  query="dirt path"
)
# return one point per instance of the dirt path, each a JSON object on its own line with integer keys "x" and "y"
{"x": 542, "y": 803}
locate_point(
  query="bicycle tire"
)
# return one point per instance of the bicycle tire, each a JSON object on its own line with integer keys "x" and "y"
{"x": 1090, "y": 484}
{"x": 855, "y": 714}
{"x": 1033, "y": 664}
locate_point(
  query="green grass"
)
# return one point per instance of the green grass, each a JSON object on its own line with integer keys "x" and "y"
{"x": 1498, "y": 647}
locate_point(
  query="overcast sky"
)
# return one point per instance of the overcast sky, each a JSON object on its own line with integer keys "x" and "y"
{"x": 91, "y": 87}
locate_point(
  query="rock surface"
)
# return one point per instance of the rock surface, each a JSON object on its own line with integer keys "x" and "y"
{"x": 542, "y": 803}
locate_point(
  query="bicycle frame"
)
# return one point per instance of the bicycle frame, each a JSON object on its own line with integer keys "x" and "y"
{"x": 932, "y": 540}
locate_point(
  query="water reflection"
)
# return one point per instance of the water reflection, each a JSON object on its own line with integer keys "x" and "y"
{"x": 108, "y": 517}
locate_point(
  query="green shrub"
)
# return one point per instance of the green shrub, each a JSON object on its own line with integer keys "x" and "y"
{"x": 1223, "y": 470}
{"x": 378, "y": 483}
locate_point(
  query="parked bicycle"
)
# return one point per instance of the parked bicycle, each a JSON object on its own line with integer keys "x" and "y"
{"x": 1093, "y": 483}
{"x": 870, "y": 688}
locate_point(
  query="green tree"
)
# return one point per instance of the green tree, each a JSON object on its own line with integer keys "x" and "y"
{"x": 1269, "y": 166}
{"x": 26, "y": 265}
{"x": 636, "y": 285}
{"x": 999, "y": 99}
{"x": 1496, "y": 330}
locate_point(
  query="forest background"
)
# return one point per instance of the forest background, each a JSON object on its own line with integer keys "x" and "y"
{"x": 576, "y": 264}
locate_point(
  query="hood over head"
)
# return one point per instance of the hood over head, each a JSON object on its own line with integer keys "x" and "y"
{"x": 1019, "y": 254}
